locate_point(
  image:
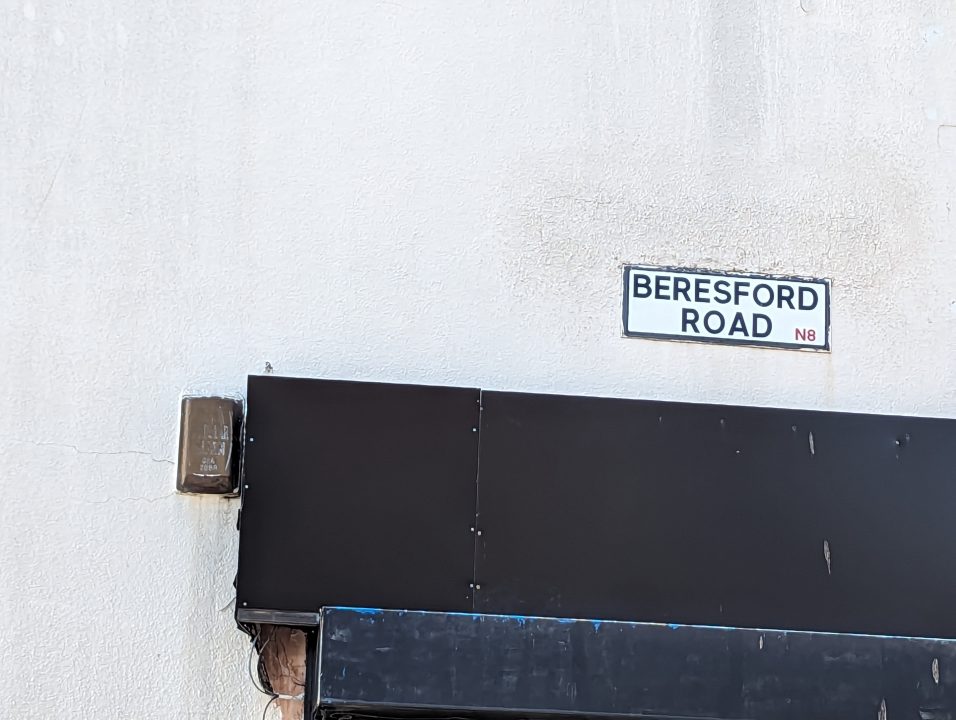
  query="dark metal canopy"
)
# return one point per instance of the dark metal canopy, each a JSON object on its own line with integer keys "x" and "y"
{"x": 457, "y": 500}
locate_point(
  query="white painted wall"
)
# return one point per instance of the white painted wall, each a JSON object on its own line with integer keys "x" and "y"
{"x": 413, "y": 191}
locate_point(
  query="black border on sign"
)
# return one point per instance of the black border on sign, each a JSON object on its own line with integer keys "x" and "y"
{"x": 726, "y": 341}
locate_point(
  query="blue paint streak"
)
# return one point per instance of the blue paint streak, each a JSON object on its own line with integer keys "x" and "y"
{"x": 596, "y": 624}
{"x": 673, "y": 626}
{"x": 363, "y": 610}
{"x": 566, "y": 621}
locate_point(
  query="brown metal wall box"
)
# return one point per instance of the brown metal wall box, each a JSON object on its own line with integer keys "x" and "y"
{"x": 209, "y": 445}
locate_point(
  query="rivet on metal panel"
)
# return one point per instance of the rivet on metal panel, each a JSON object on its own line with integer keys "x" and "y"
{"x": 472, "y": 529}
{"x": 477, "y": 587}
{"x": 479, "y": 532}
{"x": 474, "y": 429}
{"x": 252, "y": 439}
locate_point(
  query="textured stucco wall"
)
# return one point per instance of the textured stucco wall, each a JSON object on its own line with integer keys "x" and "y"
{"x": 412, "y": 191}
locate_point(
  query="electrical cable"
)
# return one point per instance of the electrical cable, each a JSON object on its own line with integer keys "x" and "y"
{"x": 268, "y": 705}
{"x": 252, "y": 649}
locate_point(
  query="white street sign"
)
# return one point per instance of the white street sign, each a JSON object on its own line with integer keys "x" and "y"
{"x": 726, "y": 307}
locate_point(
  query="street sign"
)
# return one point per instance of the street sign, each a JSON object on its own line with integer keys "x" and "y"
{"x": 726, "y": 307}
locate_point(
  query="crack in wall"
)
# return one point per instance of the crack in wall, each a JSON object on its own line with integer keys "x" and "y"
{"x": 134, "y": 498}
{"x": 80, "y": 451}
{"x": 66, "y": 156}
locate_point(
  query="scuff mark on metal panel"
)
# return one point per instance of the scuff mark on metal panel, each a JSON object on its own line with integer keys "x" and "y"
{"x": 826, "y": 556}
